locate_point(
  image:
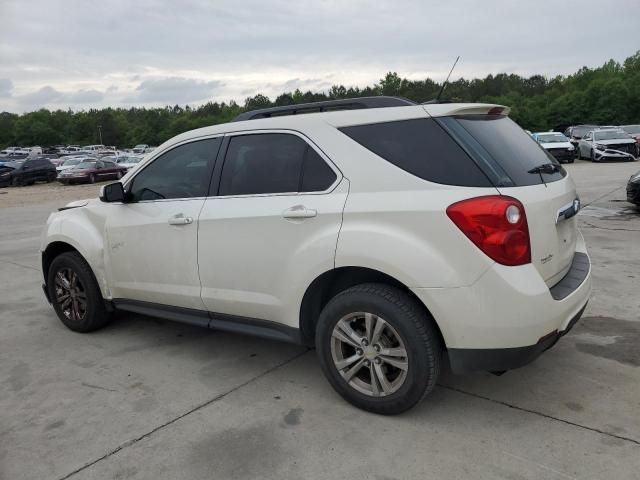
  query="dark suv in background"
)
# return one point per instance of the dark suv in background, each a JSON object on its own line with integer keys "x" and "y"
{"x": 27, "y": 172}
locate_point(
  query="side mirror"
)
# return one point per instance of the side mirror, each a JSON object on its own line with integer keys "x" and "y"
{"x": 114, "y": 192}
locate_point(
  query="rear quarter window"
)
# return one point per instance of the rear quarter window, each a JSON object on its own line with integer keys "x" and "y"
{"x": 422, "y": 148}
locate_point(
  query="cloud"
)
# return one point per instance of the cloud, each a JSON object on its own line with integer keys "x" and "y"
{"x": 175, "y": 90}
{"x": 229, "y": 50}
{"x": 6, "y": 86}
{"x": 85, "y": 97}
{"x": 44, "y": 96}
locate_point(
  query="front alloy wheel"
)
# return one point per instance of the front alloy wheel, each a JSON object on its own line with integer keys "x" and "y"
{"x": 369, "y": 354}
{"x": 71, "y": 296}
{"x": 74, "y": 293}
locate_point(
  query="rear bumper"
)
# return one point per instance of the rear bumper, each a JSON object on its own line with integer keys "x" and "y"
{"x": 464, "y": 360}
{"x": 510, "y": 314}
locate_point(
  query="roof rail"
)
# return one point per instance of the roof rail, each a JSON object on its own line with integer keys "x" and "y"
{"x": 329, "y": 105}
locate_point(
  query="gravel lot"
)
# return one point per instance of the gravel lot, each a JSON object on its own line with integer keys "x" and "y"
{"x": 146, "y": 398}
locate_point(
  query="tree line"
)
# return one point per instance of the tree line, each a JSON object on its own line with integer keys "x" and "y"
{"x": 608, "y": 95}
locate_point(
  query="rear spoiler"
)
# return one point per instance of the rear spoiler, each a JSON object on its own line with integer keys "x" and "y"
{"x": 449, "y": 109}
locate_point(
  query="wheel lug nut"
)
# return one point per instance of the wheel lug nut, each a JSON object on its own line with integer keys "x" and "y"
{"x": 367, "y": 363}
{"x": 376, "y": 347}
{"x": 365, "y": 342}
{"x": 359, "y": 351}
{"x": 377, "y": 360}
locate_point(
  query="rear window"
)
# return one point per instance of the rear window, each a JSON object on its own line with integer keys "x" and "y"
{"x": 503, "y": 149}
{"x": 422, "y": 148}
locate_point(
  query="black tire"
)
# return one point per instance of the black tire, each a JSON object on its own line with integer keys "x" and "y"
{"x": 416, "y": 329}
{"x": 593, "y": 156}
{"x": 95, "y": 315}
{"x": 15, "y": 182}
{"x": 92, "y": 178}
{"x": 571, "y": 161}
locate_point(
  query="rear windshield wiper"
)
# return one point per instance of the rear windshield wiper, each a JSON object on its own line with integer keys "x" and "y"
{"x": 544, "y": 168}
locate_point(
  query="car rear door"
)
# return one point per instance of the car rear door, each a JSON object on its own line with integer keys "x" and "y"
{"x": 151, "y": 239}
{"x": 272, "y": 226}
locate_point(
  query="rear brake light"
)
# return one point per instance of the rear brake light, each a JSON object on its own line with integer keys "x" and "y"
{"x": 497, "y": 225}
{"x": 495, "y": 111}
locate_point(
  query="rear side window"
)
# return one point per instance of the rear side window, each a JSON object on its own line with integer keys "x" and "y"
{"x": 273, "y": 163}
{"x": 506, "y": 152}
{"x": 422, "y": 148}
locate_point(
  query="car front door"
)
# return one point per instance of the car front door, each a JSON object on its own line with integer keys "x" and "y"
{"x": 151, "y": 238}
{"x": 271, "y": 228}
{"x": 585, "y": 145}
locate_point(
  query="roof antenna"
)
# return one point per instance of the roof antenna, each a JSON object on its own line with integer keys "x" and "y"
{"x": 446, "y": 82}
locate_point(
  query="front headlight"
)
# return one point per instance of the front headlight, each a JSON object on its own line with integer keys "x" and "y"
{"x": 635, "y": 178}
{"x": 600, "y": 147}
{"x": 570, "y": 149}
{"x": 5, "y": 174}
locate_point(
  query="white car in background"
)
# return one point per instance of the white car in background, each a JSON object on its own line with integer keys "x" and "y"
{"x": 129, "y": 161}
{"x": 607, "y": 144}
{"x": 557, "y": 145}
{"x": 72, "y": 161}
{"x": 393, "y": 237}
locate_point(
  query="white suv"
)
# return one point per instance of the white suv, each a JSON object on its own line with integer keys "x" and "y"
{"x": 390, "y": 235}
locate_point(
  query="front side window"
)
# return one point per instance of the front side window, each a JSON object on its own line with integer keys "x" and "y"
{"x": 273, "y": 163}
{"x": 182, "y": 172}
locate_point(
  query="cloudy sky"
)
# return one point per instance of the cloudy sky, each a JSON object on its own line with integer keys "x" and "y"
{"x": 85, "y": 53}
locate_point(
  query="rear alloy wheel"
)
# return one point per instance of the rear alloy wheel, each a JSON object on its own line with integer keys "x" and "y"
{"x": 74, "y": 293}
{"x": 379, "y": 348}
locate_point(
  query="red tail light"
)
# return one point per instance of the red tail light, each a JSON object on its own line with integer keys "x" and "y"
{"x": 497, "y": 225}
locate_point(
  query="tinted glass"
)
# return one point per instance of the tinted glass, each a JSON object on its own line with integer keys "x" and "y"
{"x": 317, "y": 176}
{"x": 109, "y": 164}
{"x": 263, "y": 163}
{"x": 503, "y": 146}
{"x": 182, "y": 172}
{"x": 422, "y": 148}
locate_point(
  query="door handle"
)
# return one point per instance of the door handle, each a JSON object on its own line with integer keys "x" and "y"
{"x": 180, "y": 219}
{"x": 299, "y": 211}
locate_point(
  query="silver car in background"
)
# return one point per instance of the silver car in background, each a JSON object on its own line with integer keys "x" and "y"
{"x": 609, "y": 144}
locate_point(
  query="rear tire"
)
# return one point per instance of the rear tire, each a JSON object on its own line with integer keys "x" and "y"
{"x": 396, "y": 367}
{"x": 92, "y": 178}
{"x": 75, "y": 295}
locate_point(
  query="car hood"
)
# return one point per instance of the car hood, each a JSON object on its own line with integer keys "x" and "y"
{"x": 615, "y": 141}
{"x": 548, "y": 146}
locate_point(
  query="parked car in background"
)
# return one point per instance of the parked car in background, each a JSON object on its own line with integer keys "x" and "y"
{"x": 129, "y": 161}
{"x": 557, "y": 145}
{"x": 140, "y": 148}
{"x": 576, "y": 132}
{"x": 27, "y": 172}
{"x": 70, "y": 162}
{"x": 610, "y": 144}
{"x": 92, "y": 171}
{"x": 634, "y": 132}
{"x": 633, "y": 189}
{"x": 391, "y": 239}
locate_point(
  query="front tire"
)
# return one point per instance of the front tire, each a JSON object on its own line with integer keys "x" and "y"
{"x": 379, "y": 348}
{"x": 75, "y": 295}
{"x": 593, "y": 156}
